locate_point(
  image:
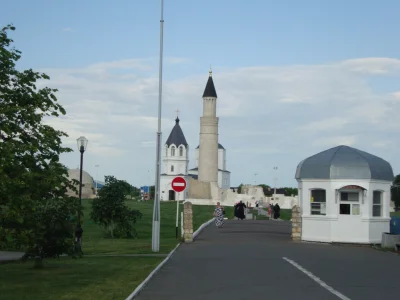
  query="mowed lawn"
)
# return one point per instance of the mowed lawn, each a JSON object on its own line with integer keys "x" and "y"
{"x": 90, "y": 278}
{"x": 95, "y": 243}
{"x": 98, "y": 278}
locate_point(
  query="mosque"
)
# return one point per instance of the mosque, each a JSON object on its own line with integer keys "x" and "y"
{"x": 209, "y": 181}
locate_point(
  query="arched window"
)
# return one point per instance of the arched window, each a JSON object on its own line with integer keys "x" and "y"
{"x": 180, "y": 151}
{"x": 173, "y": 151}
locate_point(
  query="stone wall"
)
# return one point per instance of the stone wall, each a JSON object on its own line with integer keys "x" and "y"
{"x": 187, "y": 222}
{"x": 296, "y": 223}
{"x": 199, "y": 190}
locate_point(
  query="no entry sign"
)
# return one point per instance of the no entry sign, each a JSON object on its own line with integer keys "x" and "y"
{"x": 178, "y": 184}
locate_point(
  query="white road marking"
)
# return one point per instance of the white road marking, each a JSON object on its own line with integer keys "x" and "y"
{"x": 316, "y": 279}
{"x": 178, "y": 184}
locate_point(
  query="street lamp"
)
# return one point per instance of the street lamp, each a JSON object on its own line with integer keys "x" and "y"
{"x": 97, "y": 176}
{"x": 275, "y": 168}
{"x": 82, "y": 144}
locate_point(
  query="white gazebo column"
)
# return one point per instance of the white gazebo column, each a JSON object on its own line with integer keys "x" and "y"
{"x": 366, "y": 203}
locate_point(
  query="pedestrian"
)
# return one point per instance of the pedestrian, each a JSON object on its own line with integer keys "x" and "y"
{"x": 271, "y": 211}
{"x": 277, "y": 211}
{"x": 219, "y": 215}
{"x": 240, "y": 210}
{"x": 235, "y": 214}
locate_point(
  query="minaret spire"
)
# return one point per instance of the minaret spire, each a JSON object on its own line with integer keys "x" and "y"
{"x": 208, "y": 147}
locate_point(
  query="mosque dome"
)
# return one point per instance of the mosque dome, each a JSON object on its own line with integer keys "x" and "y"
{"x": 344, "y": 162}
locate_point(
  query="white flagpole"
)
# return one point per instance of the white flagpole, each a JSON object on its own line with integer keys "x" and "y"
{"x": 155, "y": 242}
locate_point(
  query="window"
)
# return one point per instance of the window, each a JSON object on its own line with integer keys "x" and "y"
{"x": 180, "y": 151}
{"x": 318, "y": 202}
{"x": 173, "y": 151}
{"x": 172, "y": 168}
{"x": 377, "y": 204}
{"x": 349, "y": 203}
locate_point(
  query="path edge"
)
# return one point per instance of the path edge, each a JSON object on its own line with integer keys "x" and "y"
{"x": 144, "y": 282}
{"x": 202, "y": 226}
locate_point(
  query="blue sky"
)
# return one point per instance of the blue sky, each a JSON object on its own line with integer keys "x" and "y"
{"x": 293, "y": 77}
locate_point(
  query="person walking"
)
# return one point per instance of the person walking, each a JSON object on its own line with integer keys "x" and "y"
{"x": 240, "y": 210}
{"x": 219, "y": 215}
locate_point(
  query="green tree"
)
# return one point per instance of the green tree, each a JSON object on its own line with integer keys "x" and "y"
{"x": 289, "y": 191}
{"x": 239, "y": 190}
{"x": 110, "y": 211}
{"x": 34, "y": 209}
{"x": 396, "y": 192}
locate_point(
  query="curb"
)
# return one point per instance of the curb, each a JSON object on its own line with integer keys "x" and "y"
{"x": 144, "y": 282}
{"x": 202, "y": 226}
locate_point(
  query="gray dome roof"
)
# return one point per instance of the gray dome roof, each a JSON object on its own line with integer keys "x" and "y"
{"x": 344, "y": 162}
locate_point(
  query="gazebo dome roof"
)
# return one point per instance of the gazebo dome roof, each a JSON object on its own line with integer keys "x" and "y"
{"x": 344, "y": 162}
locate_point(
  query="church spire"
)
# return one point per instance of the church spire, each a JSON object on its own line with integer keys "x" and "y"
{"x": 176, "y": 136}
{"x": 210, "y": 88}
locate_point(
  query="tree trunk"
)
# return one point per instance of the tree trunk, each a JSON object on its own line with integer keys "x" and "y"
{"x": 38, "y": 263}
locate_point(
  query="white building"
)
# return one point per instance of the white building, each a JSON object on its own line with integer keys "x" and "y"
{"x": 175, "y": 162}
{"x": 344, "y": 195}
{"x": 224, "y": 176}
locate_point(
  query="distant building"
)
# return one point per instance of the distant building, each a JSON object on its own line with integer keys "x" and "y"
{"x": 88, "y": 184}
{"x": 175, "y": 161}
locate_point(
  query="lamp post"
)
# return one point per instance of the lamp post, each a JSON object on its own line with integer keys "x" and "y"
{"x": 275, "y": 168}
{"x": 155, "y": 235}
{"x": 82, "y": 144}
{"x": 97, "y": 176}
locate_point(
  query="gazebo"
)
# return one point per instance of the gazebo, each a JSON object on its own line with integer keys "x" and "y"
{"x": 344, "y": 196}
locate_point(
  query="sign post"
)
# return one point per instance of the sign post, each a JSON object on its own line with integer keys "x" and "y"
{"x": 178, "y": 185}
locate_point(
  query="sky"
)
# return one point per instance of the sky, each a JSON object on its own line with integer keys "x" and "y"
{"x": 293, "y": 78}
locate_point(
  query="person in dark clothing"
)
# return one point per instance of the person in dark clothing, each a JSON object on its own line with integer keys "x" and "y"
{"x": 239, "y": 210}
{"x": 277, "y": 211}
{"x": 235, "y": 210}
{"x": 78, "y": 240}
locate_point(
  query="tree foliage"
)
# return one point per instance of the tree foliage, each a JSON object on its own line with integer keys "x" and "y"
{"x": 396, "y": 192}
{"x": 110, "y": 211}
{"x": 32, "y": 180}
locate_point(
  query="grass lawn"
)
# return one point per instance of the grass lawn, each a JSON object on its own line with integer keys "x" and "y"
{"x": 97, "y": 278}
{"x": 286, "y": 215}
{"x": 90, "y": 278}
{"x": 95, "y": 243}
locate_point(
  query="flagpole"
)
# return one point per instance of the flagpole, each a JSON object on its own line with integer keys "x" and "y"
{"x": 155, "y": 242}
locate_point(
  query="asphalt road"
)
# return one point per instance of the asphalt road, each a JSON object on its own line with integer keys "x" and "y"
{"x": 257, "y": 260}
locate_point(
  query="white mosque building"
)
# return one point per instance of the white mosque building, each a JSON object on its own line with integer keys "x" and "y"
{"x": 176, "y": 153}
{"x": 175, "y": 162}
{"x": 209, "y": 181}
{"x": 224, "y": 176}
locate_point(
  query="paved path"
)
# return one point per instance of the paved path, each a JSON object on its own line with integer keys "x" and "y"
{"x": 10, "y": 255}
{"x": 245, "y": 260}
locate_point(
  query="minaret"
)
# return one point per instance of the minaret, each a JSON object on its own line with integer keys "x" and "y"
{"x": 208, "y": 150}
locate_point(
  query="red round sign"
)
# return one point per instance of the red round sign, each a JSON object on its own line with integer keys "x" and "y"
{"x": 178, "y": 184}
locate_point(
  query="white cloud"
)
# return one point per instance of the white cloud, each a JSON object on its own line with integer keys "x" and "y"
{"x": 268, "y": 115}
{"x": 373, "y": 65}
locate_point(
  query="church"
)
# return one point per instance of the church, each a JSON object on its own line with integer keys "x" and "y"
{"x": 210, "y": 156}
